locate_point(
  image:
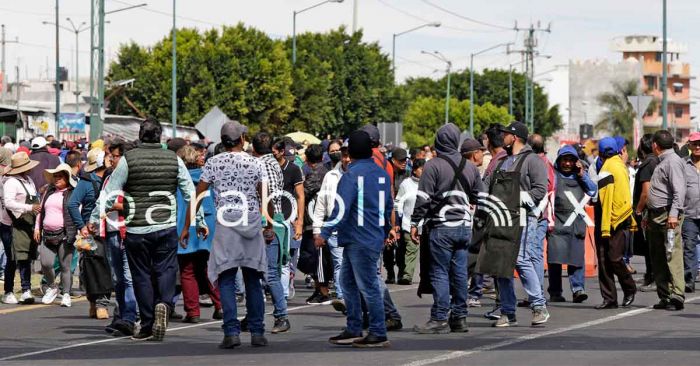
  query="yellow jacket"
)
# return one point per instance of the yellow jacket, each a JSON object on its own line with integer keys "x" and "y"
{"x": 615, "y": 197}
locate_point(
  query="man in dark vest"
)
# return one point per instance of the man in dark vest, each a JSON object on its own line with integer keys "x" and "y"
{"x": 149, "y": 177}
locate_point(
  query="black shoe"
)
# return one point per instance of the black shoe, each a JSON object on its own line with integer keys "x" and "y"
{"x": 663, "y": 304}
{"x": 142, "y": 336}
{"x": 433, "y": 327}
{"x": 689, "y": 289}
{"x": 312, "y": 299}
{"x": 405, "y": 282}
{"x": 230, "y": 342}
{"x": 191, "y": 319}
{"x": 320, "y": 300}
{"x": 579, "y": 297}
{"x": 345, "y": 338}
{"x": 459, "y": 325}
{"x": 676, "y": 304}
{"x": 606, "y": 305}
{"x": 371, "y": 341}
{"x": 122, "y": 327}
{"x": 244, "y": 325}
{"x": 281, "y": 325}
{"x": 523, "y": 304}
{"x": 218, "y": 314}
{"x": 160, "y": 321}
{"x": 110, "y": 328}
{"x": 557, "y": 298}
{"x": 258, "y": 341}
{"x": 339, "y": 306}
{"x": 390, "y": 280}
{"x": 174, "y": 315}
{"x": 493, "y": 314}
{"x": 627, "y": 300}
{"x": 393, "y": 324}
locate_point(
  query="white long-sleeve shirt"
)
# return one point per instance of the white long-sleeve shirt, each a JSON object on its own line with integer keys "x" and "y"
{"x": 325, "y": 201}
{"x": 405, "y": 201}
{"x": 14, "y": 197}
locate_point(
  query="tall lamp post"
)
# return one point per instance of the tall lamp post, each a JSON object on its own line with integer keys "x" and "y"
{"x": 664, "y": 75}
{"x": 294, "y": 26}
{"x": 76, "y": 30}
{"x": 444, "y": 59}
{"x": 173, "y": 96}
{"x": 393, "y": 42}
{"x": 471, "y": 82}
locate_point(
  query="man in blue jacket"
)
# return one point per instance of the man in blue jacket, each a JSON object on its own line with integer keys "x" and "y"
{"x": 362, "y": 221}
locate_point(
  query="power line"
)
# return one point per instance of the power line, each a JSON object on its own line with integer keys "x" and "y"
{"x": 425, "y": 20}
{"x": 465, "y": 17}
{"x": 165, "y": 13}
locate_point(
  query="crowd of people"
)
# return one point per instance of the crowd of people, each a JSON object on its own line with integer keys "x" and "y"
{"x": 232, "y": 223}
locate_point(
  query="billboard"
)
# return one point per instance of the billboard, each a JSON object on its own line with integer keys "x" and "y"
{"x": 71, "y": 123}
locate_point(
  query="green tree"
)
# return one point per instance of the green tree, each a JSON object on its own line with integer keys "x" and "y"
{"x": 240, "y": 69}
{"x": 619, "y": 118}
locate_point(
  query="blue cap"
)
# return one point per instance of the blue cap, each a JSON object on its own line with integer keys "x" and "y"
{"x": 608, "y": 146}
{"x": 621, "y": 142}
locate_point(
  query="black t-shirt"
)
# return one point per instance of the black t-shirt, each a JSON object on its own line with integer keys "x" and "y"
{"x": 292, "y": 176}
{"x": 646, "y": 169}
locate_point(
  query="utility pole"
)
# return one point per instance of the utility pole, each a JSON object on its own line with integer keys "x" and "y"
{"x": 173, "y": 116}
{"x": 4, "y": 41}
{"x": 97, "y": 80}
{"x": 529, "y": 53}
{"x": 58, "y": 76}
{"x": 354, "y": 16}
{"x": 664, "y": 75}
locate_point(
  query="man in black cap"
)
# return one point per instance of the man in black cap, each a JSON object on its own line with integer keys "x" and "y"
{"x": 392, "y": 256}
{"x": 473, "y": 151}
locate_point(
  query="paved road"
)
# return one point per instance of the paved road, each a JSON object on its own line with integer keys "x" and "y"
{"x": 576, "y": 335}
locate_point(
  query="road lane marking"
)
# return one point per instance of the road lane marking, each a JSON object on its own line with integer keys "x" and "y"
{"x": 490, "y": 347}
{"x": 114, "y": 339}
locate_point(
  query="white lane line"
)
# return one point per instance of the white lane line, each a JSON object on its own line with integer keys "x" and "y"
{"x": 490, "y": 347}
{"x": 107, "y": 340}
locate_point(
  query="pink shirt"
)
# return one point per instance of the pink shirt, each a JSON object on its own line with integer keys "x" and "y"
{"x": 53, "y": 208}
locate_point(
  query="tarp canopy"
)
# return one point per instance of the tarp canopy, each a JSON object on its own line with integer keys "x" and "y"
{"x": 210, "y": 125}
{"x": 304, "y": 138}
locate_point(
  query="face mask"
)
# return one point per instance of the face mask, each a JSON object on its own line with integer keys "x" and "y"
{"x": 335, "y": 157}
{"x": 508, "y": 149}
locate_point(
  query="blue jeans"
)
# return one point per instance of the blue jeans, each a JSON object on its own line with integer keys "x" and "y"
{"x": 536, "y": 249}
{"x": 476, "y": 287}
{"x": 527, "y": 272}
{"x": 121, "y": 277}
{"x": 272, "y": 277}
{"x": 690, "y": 231}
{"x": 3, "y": 260}
{"x": 577, "y": 279}
{"x": 359, "y": 280}
{"x": 448, "y": 271}
{"x": 255, "y": 301}
{"x": 337, "y": 256}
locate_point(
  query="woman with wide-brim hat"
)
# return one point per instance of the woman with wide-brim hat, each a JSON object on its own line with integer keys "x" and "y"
{"x": 56, "y": 232}
{"x": 17, "y": 226}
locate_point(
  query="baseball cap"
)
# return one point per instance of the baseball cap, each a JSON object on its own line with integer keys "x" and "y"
{"x": 399, "y": 154}
{"x": 95, "y": 160}
{"x": 607, "y": 146}
{"x": 373, "y": 132}
{"x": 516, "y": 128}
{"x": 38, "y": 143}
{"x": 470, "y": 145}
{"x": 621, "y": 142}
{"x": 695, "y": 136}
{"x": 233, "y": 130}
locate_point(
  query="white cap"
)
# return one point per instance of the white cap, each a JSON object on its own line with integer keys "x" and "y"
{"x": 38, "y": 143}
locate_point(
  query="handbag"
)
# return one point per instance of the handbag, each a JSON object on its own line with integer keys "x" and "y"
{"x": 54, "y": 237}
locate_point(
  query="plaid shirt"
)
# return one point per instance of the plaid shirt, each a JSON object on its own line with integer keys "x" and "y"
{"x": 272, "y": 176}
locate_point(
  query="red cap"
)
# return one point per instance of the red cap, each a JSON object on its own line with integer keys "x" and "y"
{"x": 695, "y": 136}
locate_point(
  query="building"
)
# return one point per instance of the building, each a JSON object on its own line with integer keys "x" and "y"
{"x": 648, "y": 51}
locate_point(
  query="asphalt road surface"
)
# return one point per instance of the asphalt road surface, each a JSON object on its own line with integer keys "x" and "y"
{"x": 576, "y": 334}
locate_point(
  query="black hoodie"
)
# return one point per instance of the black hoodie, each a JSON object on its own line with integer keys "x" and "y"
{"x": 437, "y": 177}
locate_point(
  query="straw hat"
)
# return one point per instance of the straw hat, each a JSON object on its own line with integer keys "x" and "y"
{"x": 48, "y": 174}
{"x": 21, "y": 163}
{"x": 95, "y": 159}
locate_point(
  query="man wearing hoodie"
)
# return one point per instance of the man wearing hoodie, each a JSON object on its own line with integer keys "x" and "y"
{"x": 533, "y": 187}
{"x": 566, "y": 242}
{"x": 452, "y": 182}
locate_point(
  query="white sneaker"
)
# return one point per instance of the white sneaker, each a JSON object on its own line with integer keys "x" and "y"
{"x": 9, "y": 298}
{"x": 26, "y": 298}
{"x": 65, "y": 300}
{"x": 50, "y": 295}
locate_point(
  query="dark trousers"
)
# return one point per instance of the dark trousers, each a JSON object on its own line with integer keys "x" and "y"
{"x": 394, "y": 256}
{"x": 611, "y": 263}
{"x": 691, "y": 240}
{"x": 193, "y": 278}
{"x": 153, "y": 265}
{"x": 25, "y": 267}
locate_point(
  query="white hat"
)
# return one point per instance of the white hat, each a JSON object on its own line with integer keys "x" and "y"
{"x": 38, "y": 143}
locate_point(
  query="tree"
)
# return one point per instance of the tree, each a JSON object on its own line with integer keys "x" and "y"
{"x": 425, "y": 115}
{"x": 240, "y": 69}
{"x": 619, "y": 118}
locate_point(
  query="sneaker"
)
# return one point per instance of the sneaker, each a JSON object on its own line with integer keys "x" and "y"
{"x": 345, "y": 338}
{"x": 494, "y": 314}
{"x": 405, "y": 282}
{"x": 160, "y": 323}
{"x": 320, "y": 300}
{"x": 205, "y": 301}
{"x": 390, "y": 280}
{"x": 371, "y": 341}
{"x": 26, "y": 298}
{"x": 579, "y": 297}
{"x": 474, "y": 303}
{"x": 393, "y": 324}
{"x": 339, "y": 306}
{"x": 230, "y": 342}
{"x": 258, "y": 341}
{"x": 433, "y": 327}
{"x": 142, "y": 336}
{"x": 676, "y": 303}
{"x": 459, "y": 325}
{"x": 281, "y": 325}
{"x": 9, "y": 298}
{"x": 191, "y": 319}
{"x": 313, "y": 297}
{"x": 65, "y": 300}
{"x": 540, "y": 315}
{"x": 218, "y": 314}
{"x": 122, "y": 328}
{"x": 507, "y": 320}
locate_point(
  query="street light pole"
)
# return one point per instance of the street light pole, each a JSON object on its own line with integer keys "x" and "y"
{"x": 664, "y": 77}
{"x": 393, "y": 43}
{"x": 174, "y": 76}
{"x": 75, "y": 30}
{"x": 471, "y": 83}
{"x": 294, "y": 25}
{"x": 57, "y": 84}
{"x": 444, "y": 59}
